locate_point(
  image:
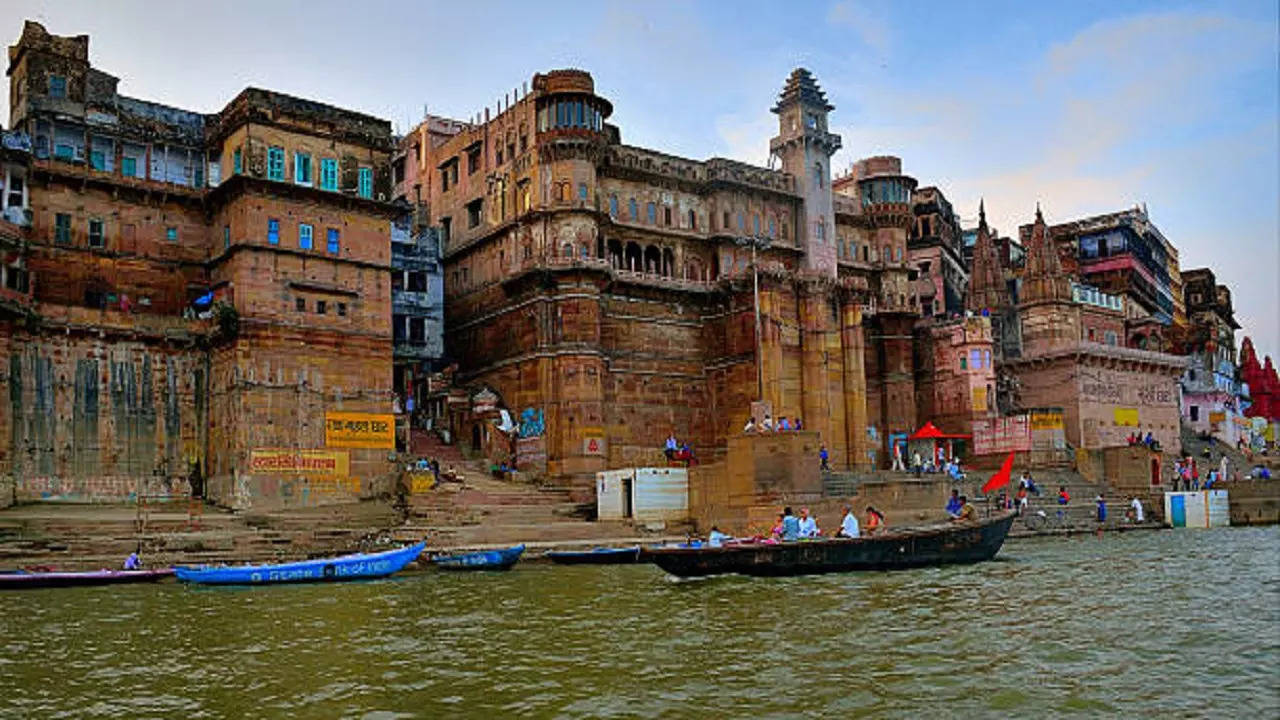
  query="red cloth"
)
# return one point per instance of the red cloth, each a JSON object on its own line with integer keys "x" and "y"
{"x": 1001, "y": 478}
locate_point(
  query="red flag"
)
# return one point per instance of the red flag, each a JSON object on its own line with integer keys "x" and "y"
{"x": 1001, "y": 478}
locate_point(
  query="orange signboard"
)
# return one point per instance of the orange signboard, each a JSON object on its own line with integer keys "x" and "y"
{"x": 360, "y": 430}
{"x": 299, "y": 462}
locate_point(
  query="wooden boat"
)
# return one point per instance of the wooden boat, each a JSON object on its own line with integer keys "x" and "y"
{"x": 908, "y": 548}
{"x": 485, "y": 560}
{"x": 596, "y": 556}
{"x": 359, "y": 566}
{"x": 22, "y": 580}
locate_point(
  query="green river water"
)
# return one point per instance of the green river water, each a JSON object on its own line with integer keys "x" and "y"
{"x": 1151, "y": 624}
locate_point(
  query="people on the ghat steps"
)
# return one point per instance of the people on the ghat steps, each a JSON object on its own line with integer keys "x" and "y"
{"x": 848, "y": 525}
{"x": 954, "y": 503}
{"x": 967, "y": 512}
{"x": 751, "y": 426}
{"x": 808, "y": 525}
{"x": 825, "y": 458}
{"x": 672, "y": 446}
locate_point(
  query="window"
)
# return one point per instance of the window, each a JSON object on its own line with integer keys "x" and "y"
{"x": 57, "y": 86}
{"x": 975, "y": 359}
{"x": 320, "y": 307}
{"x": 129, "y": 166}
{"x": 651, "y": 213}
{"x": 329, "y": 174}
{"x": 342, "y": 309}
{"x": 446, "y": 228}
{"x": 817, "y": 175}
{"x": 475, "y": 210}
{"x": 1195, "y": 413}
{"x": 613, "y": 206}
{"x": 693, "y": 220}
{"x": 273, "y": 231}
{"x": 237, "y": 162}
{"x": 742, "y": 221}
{"x": 275, "y": 163}
{"x": 98, "y": 159}
{"x": 986, "y": 359}
{"x": 473, "y": 159}
{"x": 15, "y": 191}
{"x": 497, "y": 155}
{"x": 773, "y": 229}
{"x": 632, "y": 209}
{"x": 755, "y": 221}
{"x": 300, "y": 304}
{"x": 365, "y": 189}
{"x": 417, "y": 281}
{"x": 582, "y": 191}
{"x": 301, "y": 168}
{"x": 304, "y": 236}
{"x": 95, "y": 234}
{"x": 226, "y": 236}
{"x": 963, "y": 364}
{"x": 666, "y": 215}
{"x": 171, "y": 234}
{"x": 331, "y": 241}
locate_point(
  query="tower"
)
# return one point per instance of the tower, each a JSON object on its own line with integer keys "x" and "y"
{"x": 805, "y": 148}
{"x": 987, "y": 290}
{"x": 1045, "y": 299}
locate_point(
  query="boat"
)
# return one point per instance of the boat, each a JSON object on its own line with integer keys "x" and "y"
{"x": 22, "y": 579}
{"x": 596, "y": 556}
{"x": 907, "y": 548}
{"x": 484, "y": 560}
{"x": 359, "y": 566}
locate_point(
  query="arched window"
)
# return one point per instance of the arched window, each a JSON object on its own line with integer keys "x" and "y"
{"x": 615, "y": 254}
{"x": 887, "y": 256}
{"x": 652, "y": 260}
{"x": 693, "y": 220}
{"x": 632, "y": 209}
{"x": 668, "y": 263}
{"x": 600, "y": 247}
{"x": 773, "y": 227}
{"x": 755, "y": 223}
{"x": 651, "y": 213}
{"x": 565, "y": 192}
{"x": 567, "y": 250}
{"x": 633, "y": 259}
{"x": 817, "y": 175}
{"x": 613, "y": 206}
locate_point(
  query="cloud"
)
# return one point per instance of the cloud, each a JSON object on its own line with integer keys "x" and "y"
{"x": 870, "y": 27}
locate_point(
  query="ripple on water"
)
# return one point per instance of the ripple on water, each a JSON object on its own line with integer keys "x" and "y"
{"x": 1181, "y": 623}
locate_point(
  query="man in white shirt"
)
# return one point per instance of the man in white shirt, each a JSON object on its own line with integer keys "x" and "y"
{"x": 808, "y": 526}
{"x": 1137, "y": 510}
{"x": 717, "y": 538}
{"x": 849, "y": 526}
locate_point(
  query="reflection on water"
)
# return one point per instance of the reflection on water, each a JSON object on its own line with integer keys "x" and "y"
{"x": 1186, "y": 623}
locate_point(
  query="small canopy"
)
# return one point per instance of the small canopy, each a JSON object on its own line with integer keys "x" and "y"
{"x": 929, "y": 431}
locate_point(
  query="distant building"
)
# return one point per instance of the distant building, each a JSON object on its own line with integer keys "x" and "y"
{"x": 935, "y": 250}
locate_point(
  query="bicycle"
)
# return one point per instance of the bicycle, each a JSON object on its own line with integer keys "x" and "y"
{"x": 1040, "y": 521}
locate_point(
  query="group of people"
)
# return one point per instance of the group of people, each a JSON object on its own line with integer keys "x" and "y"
{"x": 959, "y": 508}
{"x": 789, "y": 527}
{"x": 677, "y": 451}
{"x": 1186, "y": 474}
{"x": 767, "y": 425}
{"x": 948, "y": 466}
{"x": 1136, "y": 439}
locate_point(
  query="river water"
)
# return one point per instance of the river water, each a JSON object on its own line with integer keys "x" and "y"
{"x": 1184, "y": 624}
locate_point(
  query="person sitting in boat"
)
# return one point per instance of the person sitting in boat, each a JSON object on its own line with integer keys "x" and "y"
{"x": 849, "y": 525}
{"x": 808, "y": 525}
{"x": 776, "y": 531}
{"x": 750, "y": 427}
{"x": 717, "y": 538}
{"x": 875, "y": 520}
{"x": 767, "y": 424}
{"x": 967, "y": 512}
{"x": 132, "y": 562}
{"x": 954, "y": 503}
{"x": 790, "y": 526}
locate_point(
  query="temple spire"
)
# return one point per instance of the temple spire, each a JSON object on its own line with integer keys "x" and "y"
{"x": 987, "y": 290}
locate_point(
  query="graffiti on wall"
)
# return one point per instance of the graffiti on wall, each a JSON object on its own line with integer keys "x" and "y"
{"x": 532, "y": 423}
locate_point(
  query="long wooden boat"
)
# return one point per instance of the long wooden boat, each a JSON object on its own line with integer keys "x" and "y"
{"x": 23, "y": 580}
{"x": 358, "y": 566}
{"x": 596, "y": 556}
{"x": 910, "y": 548}
{"x": 484, "y": 560}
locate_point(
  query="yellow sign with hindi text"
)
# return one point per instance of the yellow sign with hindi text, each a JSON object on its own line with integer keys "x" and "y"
{"x": 360, "y": 430}
{"x": 1126, "y": 416}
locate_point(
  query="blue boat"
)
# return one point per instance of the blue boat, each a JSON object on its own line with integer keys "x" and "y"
{"x": 596, "y": 556}
{"x": 486, "y": 560}
{"x": 347, "y": 567}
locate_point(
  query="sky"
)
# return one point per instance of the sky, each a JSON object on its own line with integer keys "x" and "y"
{"x": 1085, "y": 107}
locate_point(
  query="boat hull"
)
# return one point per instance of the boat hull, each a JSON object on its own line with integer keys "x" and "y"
{"x": 486, "y": 560}
{"x": 24, "y": 581}
{"x": 360, "y": 566}
{"x": 943, "y": 545}
{"x": 600, "y": 556}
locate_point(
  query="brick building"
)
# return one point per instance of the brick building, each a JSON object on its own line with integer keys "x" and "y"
{"x": 608, "y": 288}
{"x": 202, "y": 288}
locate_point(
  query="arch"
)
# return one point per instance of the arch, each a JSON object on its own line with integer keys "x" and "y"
{"x": 668, "y": 263}
{"x": 693, "y": 269}
{"x": 633, "y": 257}
{"x": 652, "y": 260}
{"x": 599, "y": 247}
{"x": 585, "y": 251}
{"x": 693, "y": 219}
{"x": 615, "y": 254}
{"x": 715, "y": 267}
{"x": 566, "y": 250}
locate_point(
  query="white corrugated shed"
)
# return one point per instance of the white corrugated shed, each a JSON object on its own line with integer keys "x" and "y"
{"x": 660, "y": 495}
{"x": 612, "y": 489}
